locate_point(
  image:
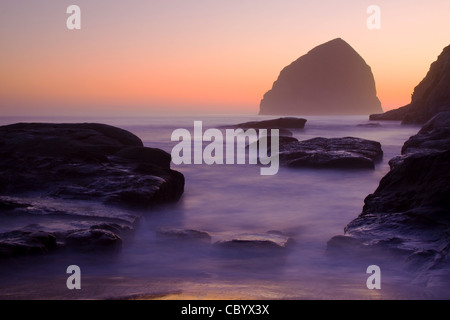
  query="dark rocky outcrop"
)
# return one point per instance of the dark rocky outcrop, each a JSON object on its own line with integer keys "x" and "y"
{"x": 44, "y": 165}
{"x": 370, "y": 125}
{"x": 284, "y": 125}
{"x": 50, "y": 225}
{"x": 93, "y": 238}
{"x": 434, "y": 136}
{"x": 410, "y": 210}
{"x": 392, "y": 115}
{"x": 18, "y": 242}
{"x": 331, "y": 79}
{"x": 184, "y": 235}
{"x": 85, "y": 161}
{"x": 32, "y": 240}
{"x": 272, "y": 240}
{"x": 430, "y": 97}
{"x": 280, "y": 123}
{"x": 239, "y": 245}
{"x": 340, "y": 153}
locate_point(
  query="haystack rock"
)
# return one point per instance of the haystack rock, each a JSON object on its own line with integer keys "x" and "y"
{"x": 430, "y": 97}
{"x": 331, "y": 79}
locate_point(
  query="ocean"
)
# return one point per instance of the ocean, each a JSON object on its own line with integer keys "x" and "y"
{"x": 309, "y": 205}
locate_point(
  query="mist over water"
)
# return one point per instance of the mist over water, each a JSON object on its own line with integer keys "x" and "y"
{"x": 309, "y": 205}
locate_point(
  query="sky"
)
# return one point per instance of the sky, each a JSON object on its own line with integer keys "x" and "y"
{"x": 138, "y": 57}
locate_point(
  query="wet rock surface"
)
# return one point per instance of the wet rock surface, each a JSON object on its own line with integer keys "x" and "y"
{"x": 410, "y": 210}
{"x": 226, "y": 244}
{"x": 339, "y": 153}
{"x": 256, "y": 241}
{"x": 26, "y": 242}
{"x": 85, "y": 161}
{"x": 46, "y": 167}
{"x": 93, "y": 238}
{"x": 434, "y": 136}
{"x": 38, "y": 226}
{"x": 284, "y": 125}
{"x": 280, "y": 123}
{"x": 370, "y": 125}
{"x": 189, "y": 235}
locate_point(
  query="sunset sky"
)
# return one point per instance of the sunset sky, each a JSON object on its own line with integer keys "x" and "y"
{"x": 211, "y": 56}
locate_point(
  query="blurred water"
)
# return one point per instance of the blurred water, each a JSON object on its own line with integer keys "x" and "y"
{"x": 311, "y": 206}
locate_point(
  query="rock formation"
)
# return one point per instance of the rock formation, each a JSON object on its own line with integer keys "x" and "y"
{"x": 331, "y": 79}
{"x": 281, "y": 123}
{"x": 333, "y": 153}
{"x": 184, "y": 235}
{"x": 430, "y": 97}
{"x": 409, "y": 213}
{"x": 85, "y": 161}
{"x": 256, "y": 241}
{"x": 45, "y": 167}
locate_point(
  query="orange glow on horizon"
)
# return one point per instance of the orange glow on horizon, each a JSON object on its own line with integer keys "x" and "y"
{"x": 211, "y": 56}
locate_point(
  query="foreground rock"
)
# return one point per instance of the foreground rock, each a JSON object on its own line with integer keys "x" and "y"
{"x": 340, "y": 153}
{"x": 434, "y": 136}
{"x": 409, "y": 213}
{"x": 85, "y": 161}
{"x": 430, "y": 97}
{"x": 53, "y": 225}
{"x": 47, "y": 168}
{"x": 26, "y": 242}
{"x": 331, "y": 79}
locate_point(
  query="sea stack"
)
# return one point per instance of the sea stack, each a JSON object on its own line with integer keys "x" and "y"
{"x": 430, "y": 97}
{"x": 331, "y": 79}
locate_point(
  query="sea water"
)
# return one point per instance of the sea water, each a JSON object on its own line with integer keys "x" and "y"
{"x": 309, "y": 205}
